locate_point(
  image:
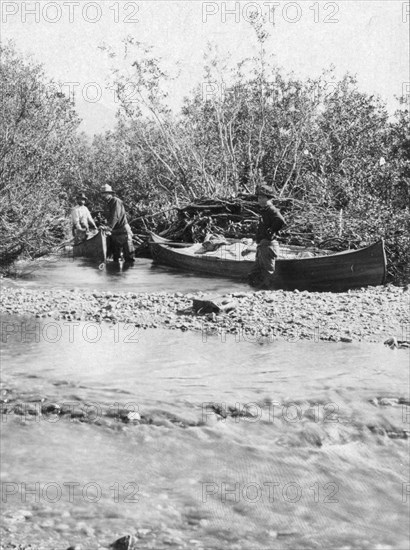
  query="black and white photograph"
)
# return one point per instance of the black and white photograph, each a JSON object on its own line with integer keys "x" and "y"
{"x": 204, "y": 269}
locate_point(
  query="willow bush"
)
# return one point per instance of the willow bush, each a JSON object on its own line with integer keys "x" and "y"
{"x": 335, "y": 152}
{"x": 37, "y": 133}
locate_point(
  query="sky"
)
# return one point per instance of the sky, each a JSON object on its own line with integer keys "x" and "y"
{"x": 368, "y": 38}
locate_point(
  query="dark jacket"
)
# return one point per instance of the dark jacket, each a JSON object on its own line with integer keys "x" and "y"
{"x": 115, "y": 215}
{"x": 270, "y": 223}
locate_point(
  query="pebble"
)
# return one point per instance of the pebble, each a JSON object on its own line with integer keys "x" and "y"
{"x": 391, "y": 342}
{"x": 62, "y": 527}
{"x": 51, "y": 408}
{"x": 134, "y": 417}
{"x": 372, "y": 314}
{"x": 129, "y": 542}
{"x": 388, "y": 402}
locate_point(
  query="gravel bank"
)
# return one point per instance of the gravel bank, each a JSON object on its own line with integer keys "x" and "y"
{"x": 371, "y": 314}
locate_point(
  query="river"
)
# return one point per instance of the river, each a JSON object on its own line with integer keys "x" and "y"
{"x": 234, "y": 443}
{"x": 66, "y": 272}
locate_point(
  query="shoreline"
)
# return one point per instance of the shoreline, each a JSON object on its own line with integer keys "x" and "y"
{"x": 371, "y": 314}
{"x": 366, "y": 315}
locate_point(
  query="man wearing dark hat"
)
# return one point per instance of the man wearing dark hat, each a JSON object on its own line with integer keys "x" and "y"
{"x": 81, "y": 219}
{"x": 117, "y": 226}
{"x": 270, "y": 223}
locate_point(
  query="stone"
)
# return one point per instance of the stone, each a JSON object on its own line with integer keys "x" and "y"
{"x": 212, "y": 305}
{"x": 133, "y": 417}
{"x": 129, "y": 542}
{"x": 51, "y": 408}
{"x": 62, "y": 527}
{"x": 388, "y": 402}
{"x": 78, "y": 413}
{"x": 391, "y": 342}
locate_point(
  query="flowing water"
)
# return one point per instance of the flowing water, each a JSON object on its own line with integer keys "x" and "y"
{"x": 236, "y": 444}
{"x": 144, "y": 276}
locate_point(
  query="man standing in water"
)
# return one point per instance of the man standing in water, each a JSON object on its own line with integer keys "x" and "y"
{"x": 117, "y": 226}
{"x": 267, "y": 250}
{"x": 81, "y": 219}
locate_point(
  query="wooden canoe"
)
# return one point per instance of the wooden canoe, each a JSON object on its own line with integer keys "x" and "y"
{"x": 95, "y": 247}
{"x": 331, "y": 272}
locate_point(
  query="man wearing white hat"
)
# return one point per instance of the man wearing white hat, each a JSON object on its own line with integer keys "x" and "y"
{"x": 117, "y": 226}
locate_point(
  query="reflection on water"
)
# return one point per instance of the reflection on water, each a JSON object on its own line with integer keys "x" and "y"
{"x": 311, "y": 466}
{"x": 143, "y": 276}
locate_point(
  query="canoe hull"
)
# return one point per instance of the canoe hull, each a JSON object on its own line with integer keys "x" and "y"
{"x": 94, "y": 248}
{"x": 335, "y": 272}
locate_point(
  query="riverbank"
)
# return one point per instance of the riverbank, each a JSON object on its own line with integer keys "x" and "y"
{"x": 174, "y": 418}
{"x": 369, "y": 315}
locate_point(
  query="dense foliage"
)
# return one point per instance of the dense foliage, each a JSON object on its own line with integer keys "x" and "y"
{"x": 37, "y": 135}
{"x": 333, "y": 152}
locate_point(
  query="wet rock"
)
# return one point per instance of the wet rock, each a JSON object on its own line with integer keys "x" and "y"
{"x": 400, "y": 434}
{"x": 218, "y": 409}
{"x": 377, "y": 430}
{"x": 129, "y": 542}
{"x": 78, "y": 413}
{"x": 134, "y": 417}
{"x": 391, "y": 342}
{"x": 51, "y": 408}
{"x": 388, "y": 402}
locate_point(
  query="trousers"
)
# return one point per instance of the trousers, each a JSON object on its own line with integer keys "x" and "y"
{"x": 264, "y": 268}
{"x": 79, "y": 234}
{"x": 121, "y": 242}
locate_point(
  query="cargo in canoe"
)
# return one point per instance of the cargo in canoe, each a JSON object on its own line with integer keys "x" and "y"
{"x": 94, "y": 247}
{"x": 296, "y": 268}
